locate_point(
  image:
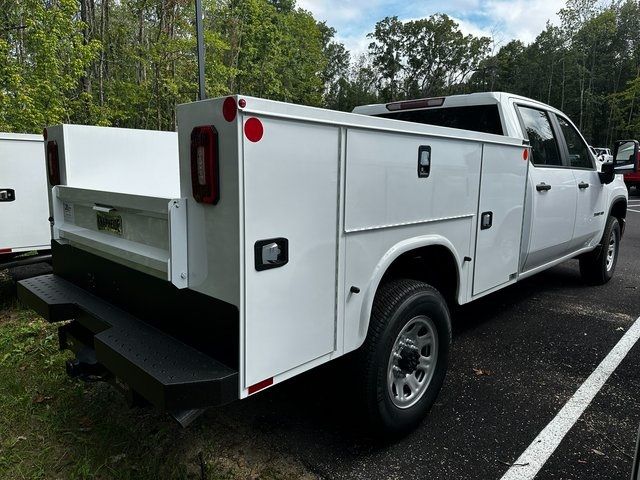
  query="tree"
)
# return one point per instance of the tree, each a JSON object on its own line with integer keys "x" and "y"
{"x": 45, "y": 58}
{"x": 437, "y": 55}
{"x": 386, "y": 51}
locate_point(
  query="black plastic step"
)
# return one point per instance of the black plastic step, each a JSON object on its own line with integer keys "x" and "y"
{"x": 167, "y": 372}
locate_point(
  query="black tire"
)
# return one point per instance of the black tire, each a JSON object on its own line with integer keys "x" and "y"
{"x": 396, "y": 304}
{"x": 594, "y": 267}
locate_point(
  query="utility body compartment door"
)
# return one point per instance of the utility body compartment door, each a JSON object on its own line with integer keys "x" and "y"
{"x": 503, "y": 182}
{"x": 290, "y": 193}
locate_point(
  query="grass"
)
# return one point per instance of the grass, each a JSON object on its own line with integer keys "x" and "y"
{"x": 53, "y": 427}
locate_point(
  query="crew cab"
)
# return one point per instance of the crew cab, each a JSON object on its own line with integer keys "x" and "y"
{"x": 301, "y": 234}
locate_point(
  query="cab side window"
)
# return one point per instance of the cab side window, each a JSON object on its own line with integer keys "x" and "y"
{"x": 544, "y": 144}
{"x": 579, "y": 156}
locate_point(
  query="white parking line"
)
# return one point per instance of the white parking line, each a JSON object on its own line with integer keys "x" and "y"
{"x": 632, "y": 210}
{"x": 535, "y": 456}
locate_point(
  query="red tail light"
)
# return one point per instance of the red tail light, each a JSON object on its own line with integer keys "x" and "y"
{"x": 53, "y": 163}
{"x": 205, "y": 181}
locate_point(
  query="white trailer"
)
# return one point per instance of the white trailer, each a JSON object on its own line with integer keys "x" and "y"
{"x": 301, "y": 234}
{"x": 24, "y": 211}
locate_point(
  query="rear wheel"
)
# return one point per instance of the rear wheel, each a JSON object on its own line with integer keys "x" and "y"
{"x": 405, "y": 356}
{"x": 597, "y": 267}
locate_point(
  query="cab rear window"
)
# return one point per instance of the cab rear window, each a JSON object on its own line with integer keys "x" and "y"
{"x": 478, "y": 118}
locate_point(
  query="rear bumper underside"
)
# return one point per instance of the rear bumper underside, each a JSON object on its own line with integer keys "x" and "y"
{"x": 162, "y": 369}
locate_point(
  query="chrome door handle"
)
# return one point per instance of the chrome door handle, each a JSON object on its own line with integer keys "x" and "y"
{"x": 583, "y": 185}
{"x": 543, "y": 187}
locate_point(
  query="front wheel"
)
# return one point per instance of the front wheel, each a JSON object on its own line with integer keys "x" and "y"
{"x": 597, "y": 267}
{"x": 405, "y": 356}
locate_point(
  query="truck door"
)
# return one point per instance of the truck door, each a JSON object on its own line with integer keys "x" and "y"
{"x": 551, "y": 192}
{"x": 500, "y": 210}
{"x": 590, "y": 214}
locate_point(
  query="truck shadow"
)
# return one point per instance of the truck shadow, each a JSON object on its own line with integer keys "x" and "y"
{"x": 558, "y": 280}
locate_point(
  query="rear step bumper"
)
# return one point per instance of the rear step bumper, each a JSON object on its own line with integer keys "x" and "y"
{"x": 165, "y": 371}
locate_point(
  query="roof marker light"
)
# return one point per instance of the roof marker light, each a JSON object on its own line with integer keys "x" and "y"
{"x": 229, "y": 109}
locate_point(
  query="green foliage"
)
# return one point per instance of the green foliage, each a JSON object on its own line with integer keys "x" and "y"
{"x": 423, "y": 57}
{"x": 128, "y": 63}
{"x": 44, "y": 58}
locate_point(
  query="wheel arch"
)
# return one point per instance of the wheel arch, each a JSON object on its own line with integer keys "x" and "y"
{"x": 400, "y": 262}
{"x": 618, "y": 209}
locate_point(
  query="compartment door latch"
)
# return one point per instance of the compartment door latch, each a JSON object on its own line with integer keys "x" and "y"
{"x": 271, "y": 253}
{"x": 7, "y": 195}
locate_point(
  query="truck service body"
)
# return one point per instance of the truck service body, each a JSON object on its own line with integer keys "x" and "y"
{"x": 301, "y": 234}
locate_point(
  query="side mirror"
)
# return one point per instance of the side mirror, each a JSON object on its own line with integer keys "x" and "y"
{"x": 625, "y": 156}
{"x": 607, "y": 173}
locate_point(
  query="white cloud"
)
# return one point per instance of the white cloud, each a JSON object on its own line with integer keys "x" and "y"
{"x": 502, "y": 20}
{"x": 522, "y": 19}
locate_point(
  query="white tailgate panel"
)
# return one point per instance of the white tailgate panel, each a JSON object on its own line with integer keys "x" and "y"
{"x": 291, "y": 191}
{"x": 153, "y": 232}
{"x": 122, "y": 160}
{"x": 24, "y": 222}
{"x": 502, "y": 189}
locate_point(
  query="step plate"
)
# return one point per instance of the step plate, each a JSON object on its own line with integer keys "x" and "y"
{"x": 167, "y": 372}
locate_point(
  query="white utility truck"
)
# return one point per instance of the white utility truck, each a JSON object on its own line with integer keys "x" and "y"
{"x": 301, "y": 234}
{"x": 24, "y": 211}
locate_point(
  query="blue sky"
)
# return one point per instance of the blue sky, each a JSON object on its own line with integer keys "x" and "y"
{"x": 503, "y": 20}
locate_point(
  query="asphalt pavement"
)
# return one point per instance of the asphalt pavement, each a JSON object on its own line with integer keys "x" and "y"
{"x": 518, "y": 356}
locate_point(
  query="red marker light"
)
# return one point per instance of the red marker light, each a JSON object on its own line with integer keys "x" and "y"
{"x": 260, "y": 385}
{"x": 229, "y": 109}
{"x": 242, "y": 102}
{"x": 525, "y": 154}
{"x": 253, "y": 129}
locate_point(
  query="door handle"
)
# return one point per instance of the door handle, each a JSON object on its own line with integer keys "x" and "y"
{"x": 543, "y": 187}
{"x": 7, "y": 195}
{"x": 583, "y": 185}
